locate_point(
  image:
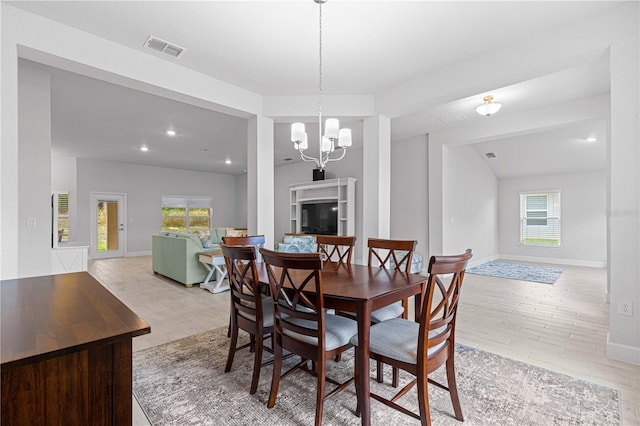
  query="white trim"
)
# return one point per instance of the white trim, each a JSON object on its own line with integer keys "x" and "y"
{"x": 556, "y": 260}
{"x": 623, "y": 353}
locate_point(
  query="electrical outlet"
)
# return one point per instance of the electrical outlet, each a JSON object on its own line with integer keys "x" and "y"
{"x": 625, "y": 307}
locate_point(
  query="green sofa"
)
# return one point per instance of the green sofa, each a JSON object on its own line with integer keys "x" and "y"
{"x": 174, "y": 255}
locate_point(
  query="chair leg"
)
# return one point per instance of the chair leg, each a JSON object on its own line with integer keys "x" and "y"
{"x": 277, "y": 371}
{"x": 356, "y": 378}
{"x": 320, "y": 372}
{"x": 233, "y": 331}
{"x": 396, "y": 377}
{"x": 453, "y": 388}
{"x": 252, "y": 347}
{"x": 423, "y": 400}
{"x": 379, "y": 371}
{"x": 257, "y": 364}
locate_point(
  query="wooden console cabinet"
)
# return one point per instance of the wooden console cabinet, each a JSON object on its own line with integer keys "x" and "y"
{"x": 66, "y": 352}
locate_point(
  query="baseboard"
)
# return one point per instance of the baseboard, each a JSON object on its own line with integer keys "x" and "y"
{"x": 556, "y": 261}
{"x": 138, "y": 253}
{"x": 475, "y": 262}
{"x": 623, "y": 353}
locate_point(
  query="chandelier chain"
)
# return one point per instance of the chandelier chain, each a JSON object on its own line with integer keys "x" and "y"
{"x": 320, "y": 78}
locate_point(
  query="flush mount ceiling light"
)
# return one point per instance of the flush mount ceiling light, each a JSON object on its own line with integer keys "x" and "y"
{"x": 171, "y": 132}
{"x": 591, "y": 139}
{"x": 488, "y": 107}
{"x": 144, "y": 148}
{"x": 333, "y": 134}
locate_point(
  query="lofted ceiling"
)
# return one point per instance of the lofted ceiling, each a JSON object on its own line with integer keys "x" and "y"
{"x": 270, "y": 47}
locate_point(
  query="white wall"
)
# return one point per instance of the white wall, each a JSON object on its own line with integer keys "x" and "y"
{"x": 300, "y": 172}
{"x": 409, "y": 192}
{"x": 241, "y": 201}
{"x": 34, "y": 173}
{"x": 144, "y": 187}
{"x": 583, "y": 230}
{"x": 469, "y": 204}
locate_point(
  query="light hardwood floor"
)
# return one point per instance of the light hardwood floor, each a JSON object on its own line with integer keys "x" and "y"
{"x": 562, "y": 327}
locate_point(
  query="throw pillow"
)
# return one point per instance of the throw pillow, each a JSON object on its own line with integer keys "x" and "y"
{"x": 206, "y": 243}
{"x": 236, "y": 232}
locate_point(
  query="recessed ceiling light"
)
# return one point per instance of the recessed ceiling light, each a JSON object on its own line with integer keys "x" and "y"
{"x": 144, "y": 148}
{"x": 171, "y": 132}
{"x": 591, "y": 139}
{"x": 227, "y": 161}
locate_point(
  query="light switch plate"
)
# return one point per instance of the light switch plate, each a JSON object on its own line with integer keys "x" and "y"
{"x": 32, "y": 222}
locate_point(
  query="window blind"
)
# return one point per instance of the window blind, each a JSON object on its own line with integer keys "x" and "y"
{"x": 540, "y": 218}
{"x": 187, "y": 202}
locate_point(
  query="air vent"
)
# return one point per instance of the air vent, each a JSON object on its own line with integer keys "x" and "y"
{"x": 454, "y": 118}
{"x": 163, "y": 46}
{"x": 490, "y": 155}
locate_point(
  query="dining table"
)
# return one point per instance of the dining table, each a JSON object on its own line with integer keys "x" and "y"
{"x": 363, "y": 289}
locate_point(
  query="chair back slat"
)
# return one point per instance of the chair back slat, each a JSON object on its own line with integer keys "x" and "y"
{"x": 243, "y": 280}
{"x": 391, "y": 254}
{"x": 440, "y": 301}
{"x": 295, "y": 281}
{"x": 335, "y": 248}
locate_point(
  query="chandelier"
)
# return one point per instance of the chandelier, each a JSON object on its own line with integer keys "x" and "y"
{"x": 488, "y": 107}
{"x": 334, "y": 137}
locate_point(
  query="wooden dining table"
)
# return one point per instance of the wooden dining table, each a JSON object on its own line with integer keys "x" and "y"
{"x": 363, "y": 289}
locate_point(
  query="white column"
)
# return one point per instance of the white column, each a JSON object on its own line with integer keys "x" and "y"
{"x": 34, "y": 172}
{"x": 435, "y": 184}
{"x": 624, "y": 189}
{"x": 8, "y": 146}
{"x": 376, "y": 179}
{"x": 260, "y": 189}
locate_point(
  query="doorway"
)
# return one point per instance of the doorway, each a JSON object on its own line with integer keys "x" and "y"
{"x": 108, "y": 224}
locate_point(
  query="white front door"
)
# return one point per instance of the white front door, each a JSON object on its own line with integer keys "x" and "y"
{"x": 107, "y": 224}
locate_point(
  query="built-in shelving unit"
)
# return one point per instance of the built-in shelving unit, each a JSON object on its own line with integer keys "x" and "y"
{"x": 341, "y": 190}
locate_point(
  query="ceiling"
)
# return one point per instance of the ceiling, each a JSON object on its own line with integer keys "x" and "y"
{"x": 270, "y": 47}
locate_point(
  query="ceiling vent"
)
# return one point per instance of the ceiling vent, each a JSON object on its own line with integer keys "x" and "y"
{"x": 454, "y": 118}
{"x": 490, "y": 155}
{"x": 165, "y": 47}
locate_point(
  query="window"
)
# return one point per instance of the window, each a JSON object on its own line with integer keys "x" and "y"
{"x": 186, "y": 214}
{"x": 540, "y": 218}
{"x": 60, "y": 222}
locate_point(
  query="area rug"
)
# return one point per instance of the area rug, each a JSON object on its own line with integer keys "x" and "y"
{"x": 183, "y": 383}
{"x": 516, "y": 271}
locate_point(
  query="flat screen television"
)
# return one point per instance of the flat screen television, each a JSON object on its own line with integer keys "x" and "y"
{"x": 319, "y": 218}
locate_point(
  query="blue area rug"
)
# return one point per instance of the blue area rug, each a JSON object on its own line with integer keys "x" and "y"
{"x": 516, "y": 271}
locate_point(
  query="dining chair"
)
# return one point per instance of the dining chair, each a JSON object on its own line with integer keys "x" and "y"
{"x": 301, "y": 325}
{"x": 421, "y": 348}
{"x": 390, "y": 254}
{"x": 251, "y": 311}
{"x": 247, "y": 240}
{"x": 336, "y": 248}
{"x": 250, "y": 240}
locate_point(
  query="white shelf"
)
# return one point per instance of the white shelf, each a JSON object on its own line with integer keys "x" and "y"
{"x": 341, "y": 190}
